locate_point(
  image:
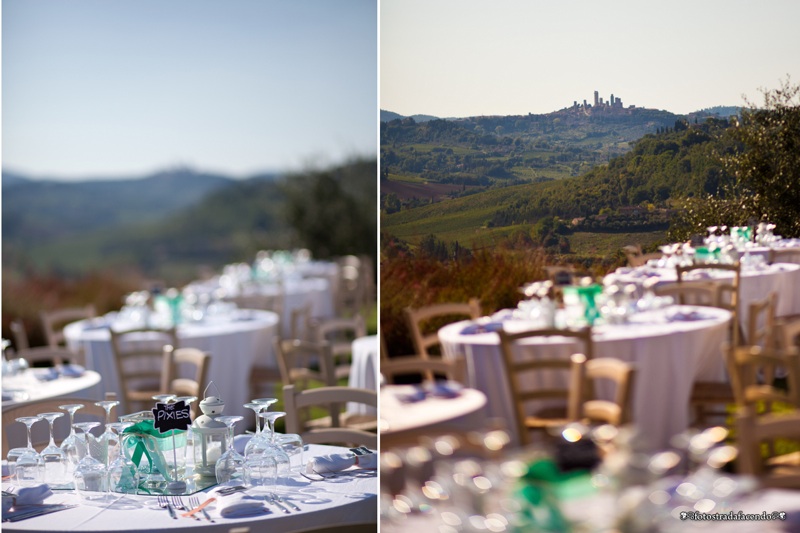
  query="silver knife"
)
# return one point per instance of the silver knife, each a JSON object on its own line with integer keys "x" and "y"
{"x": 287, "y": 502}
{"x": 277, "y": 503}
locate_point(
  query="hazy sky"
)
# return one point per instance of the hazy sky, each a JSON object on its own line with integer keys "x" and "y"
{"x": 456, "y": 58}
{"x": 95, "y": 88}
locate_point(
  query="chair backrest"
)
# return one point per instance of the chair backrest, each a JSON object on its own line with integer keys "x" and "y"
{"x": 19, "y": 335}
{"x": 295, "y": 358}
{"x": 301, "y": 322}
{"x": 46, "y": 354}
{"x": 788, "y": 333}
{"x": 783, "y": 255}
{"x": 451, "y": 369}
{"x": 744, "y": 364}
{"x": 761, "y": 322}
{"x": 582, "y": 405}
{"x": 517, "y": 369}
{"x": 61, "y": 429}
{"x": 728, "y": 292}
{"x": 54, "y": 321}
{"x": 331, "y": 398}
{"x": 139, "y": 361}
{"x": 174, "y": 360}
{"x": 354, "y": 285}
{"x": 424, "y": 322}
{"x": 690, "y": 292}
{"x": 340, "y": 334}
{"x": 752, "y": 430}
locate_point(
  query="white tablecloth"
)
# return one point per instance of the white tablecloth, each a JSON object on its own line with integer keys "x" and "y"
{"x": 296, "y": 292}
{"x": 669, "y": 357}
{"x": 755, "y": 285}
{"x": 343, "y": 500}
{"x": 235, "y": 344}
{"x": 35, "y": 389}
{"x": 364, "y": 371}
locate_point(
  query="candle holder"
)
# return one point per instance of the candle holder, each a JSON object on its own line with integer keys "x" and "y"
{"x": 210, "y": 435}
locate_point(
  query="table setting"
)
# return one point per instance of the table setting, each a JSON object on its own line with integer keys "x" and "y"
{"x": 22, "y": 383}
{"x": 161, "y": 468}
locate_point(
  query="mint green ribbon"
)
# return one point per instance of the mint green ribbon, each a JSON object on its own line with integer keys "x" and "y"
{"x": 141, "y": 437}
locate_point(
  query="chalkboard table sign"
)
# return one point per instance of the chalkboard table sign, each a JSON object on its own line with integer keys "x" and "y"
{"x": 169, "y": 416}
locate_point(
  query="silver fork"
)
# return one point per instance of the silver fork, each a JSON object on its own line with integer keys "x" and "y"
{"x": 194, "y": 501}
{"x": 290, "y": 503}
{"x": 163, "y": 502}
{"x": 178, "y": 503}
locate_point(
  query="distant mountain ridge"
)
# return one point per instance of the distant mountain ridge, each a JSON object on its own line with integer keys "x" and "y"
{"x": 388, "y": 116}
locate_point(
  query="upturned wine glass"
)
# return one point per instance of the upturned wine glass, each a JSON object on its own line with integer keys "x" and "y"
{"x": 28, "y": 464}
{"x": 108, "y": 436}
{"x": 230, "y": 464}
{"x": 271, "y": 447}
{"x": 90, "y": 475}
{"x": 74, "y": 447}
{"x": 56, "y": 463}
{"x": 265, "y": 403}
{"x": 123, "y": 476}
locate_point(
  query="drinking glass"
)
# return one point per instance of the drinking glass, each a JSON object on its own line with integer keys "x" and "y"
{"x": 91, "y": 475}
{"x": 73, "y": 447}
{"x": 283, "y": 464}
{"x": 260, "y": 470}
{"x": 292, "y": 446}
{"x": 108, "y": 436}
{"x": 123, "y": 476}
{"x": 164, "y": 398}
{"x": 256, "y": 407}
{"x": 265, "y": 403}
{"x": 230, "y": 463}
{"x": 28, "y": 464}
{"x": 56, "y": 463}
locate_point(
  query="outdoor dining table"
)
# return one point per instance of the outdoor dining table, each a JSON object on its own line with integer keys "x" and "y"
{"x": 363, "y": 371}
{"x": 755, "y": 284}
{"x": 44, "y": 383}
{"x": 345, "y": 498}
{"x": 671, "y": 347}
{"x": 235, "y": 341}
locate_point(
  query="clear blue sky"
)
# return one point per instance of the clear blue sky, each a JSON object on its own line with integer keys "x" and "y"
{"x": 117, "y": 88}
{"x": 457, "y": 58}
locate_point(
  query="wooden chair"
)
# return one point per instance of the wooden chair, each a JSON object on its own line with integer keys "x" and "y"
{"x": 451, "y": 369}
{"x": 302, "y": 323}
{"x": 139, "y": 362}
{"x": 706, "y": 395}
{"x": 54, "y": 321}
{"x": 331, "y": 398}
{"x": 516, "y": 368}
{"x": 51, "y": 356}
{"x": 174, "y": 360}
{"x": 296, "y": 357}
{"x": 340, "y": 333}
{"x": 744, "y": 364}
{"x": 781, "y": 471}
{"x": 61, "y": 429}
{"x": 783, "y": 255}
{"x": 761, "y": 322}
{"x": 787, "y": 333}
{"x": 583, "y": 406}
{"x": 635, "y": 256}
{"x": 19, "y": 335}
{"x": 354, "y": 285}
{"x": 424, "y": 324}
{"x": 690, "y": 292}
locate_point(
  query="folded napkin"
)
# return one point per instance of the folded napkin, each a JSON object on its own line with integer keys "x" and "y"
{"x": 341, "y": 461}
{"x": 34, "y": 495}
{"x": 235, "y": 505}
{"x": 72, "y": 371}
{"x": 240, "y": 442}
{"x": 483, "y": 327}
{"x": 687, "y": 316}
{"x": 46, "y": 374}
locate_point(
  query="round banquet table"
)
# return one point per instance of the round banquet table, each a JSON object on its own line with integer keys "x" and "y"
{"x": 296, "y": 292}
{"x": 347, "y": 499}
{"x": 235, "y": 342}
{"x": 755, "y": 285}
{"x": 26, "y": 387}
{"x": 401, "y": 423}
{"x": 670, "y": 355}
{"x": 364, "y": 371}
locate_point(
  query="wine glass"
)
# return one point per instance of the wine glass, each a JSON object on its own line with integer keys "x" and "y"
{"x": 28, "y": 464}
{"x": 283, "y": 463}
{"x": 292, "y": 446}
{"x": 230, "y": 464}
{"x": 90, "y": 475}
{"x": 56, "y": 463}
{"x": 265, "y": 402}
{"x": 108, "y": 436}
{"x": 256, "y": 407}
{"x": 74, "y": 447}
{"x": 123, "y": 476}
{"x": 164, "y": 398}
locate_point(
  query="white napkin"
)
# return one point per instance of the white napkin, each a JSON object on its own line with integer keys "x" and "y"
{"x": 340, "y": 461}
{"x": 34, "y": 495}
{"x": 235, "y": 505}
{"x": 240, "y": 442}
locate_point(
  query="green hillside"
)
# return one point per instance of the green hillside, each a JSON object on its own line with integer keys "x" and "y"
{"x": 634, "y": 192}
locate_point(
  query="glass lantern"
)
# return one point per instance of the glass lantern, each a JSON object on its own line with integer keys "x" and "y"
{"x": 210, "y": 436}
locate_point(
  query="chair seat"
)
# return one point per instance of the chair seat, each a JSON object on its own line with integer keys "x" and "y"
{"x": 342, "y": 372}
{"x": 786, "y": 460}
{"x": 548, "y": 417}
{"x": 709, "y": 391}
